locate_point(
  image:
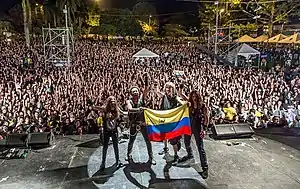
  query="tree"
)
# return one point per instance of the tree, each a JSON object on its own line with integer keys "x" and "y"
{"x": 174, "y": 30}
{"x": 92, "y": 19}
{"x": 243, "y": 29}
{"x": 82, "y": 15}
{"x": 16, "y": 16}
{"x": 28, "y": 3}
{"x": 122, "y": 19}
{"x": 26, "y": 23}
{"x": 228, "y": 10}
{"x": 144, "y": 12}
{"x": 51, "y": 12}
{"x": 149, "y": 28}
{"x": 5, "y": 26}
{"x": 106, "y": 29}
{"x": 72, "y": 5}
{"x": 275, "y": 12}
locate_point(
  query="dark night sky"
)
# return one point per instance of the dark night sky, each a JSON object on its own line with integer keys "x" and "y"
{"x": 162, "y": 6}
{"x": 7, "y": 4}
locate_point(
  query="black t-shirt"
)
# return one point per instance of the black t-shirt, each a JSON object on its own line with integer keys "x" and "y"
{"x": 171, "y": 104}
{"x": 110, "y": 124}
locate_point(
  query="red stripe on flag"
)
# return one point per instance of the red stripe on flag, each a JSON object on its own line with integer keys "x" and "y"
{"x": 158, "y": 137}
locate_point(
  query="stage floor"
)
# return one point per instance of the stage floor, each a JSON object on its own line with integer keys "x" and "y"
{"x": 256, "y": 163}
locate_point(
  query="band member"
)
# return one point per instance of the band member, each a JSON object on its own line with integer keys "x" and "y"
{"x": 111, "y": 120}
{"x": 169, "y": 101}
{"x": 136, "y": 119}
{"x": 199, "y": 121}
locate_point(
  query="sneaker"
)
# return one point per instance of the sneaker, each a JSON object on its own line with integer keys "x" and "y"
{"x": 164, "y": 151}
{"x": 204, "y": 173}
{"x": 185, "y": 158}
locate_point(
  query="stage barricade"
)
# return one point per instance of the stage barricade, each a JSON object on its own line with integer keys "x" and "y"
{"x": 283, "y": 131}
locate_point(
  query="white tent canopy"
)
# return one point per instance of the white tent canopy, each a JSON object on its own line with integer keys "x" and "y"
{"x": 145, "y": 53}
{"x": 242, "y": 50}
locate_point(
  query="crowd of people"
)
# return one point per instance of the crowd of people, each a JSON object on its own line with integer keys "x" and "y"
{"x": 36, "y": 96}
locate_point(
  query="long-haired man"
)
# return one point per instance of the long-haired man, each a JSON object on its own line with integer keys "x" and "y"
{"x": 171, "y": 100}
{"x": 135, "y": 112}
{"x": 111, "y": 120}
{"x": 199, "y": 120}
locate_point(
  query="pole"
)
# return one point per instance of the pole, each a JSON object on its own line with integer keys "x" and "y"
{"x": 149, "y": 20}
{"x": 44, "y": 46}
{"x": 67, "y": 33}
{"x": 229, "y": 38}
{"x": 217, "y": 21}
{"x": 208, "y": 36}
{"x": 26, "y": 25}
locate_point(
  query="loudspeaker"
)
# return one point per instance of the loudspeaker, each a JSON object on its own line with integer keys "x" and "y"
{"x": 243, "y": 130}
{"x": 40, "y": 139}
{"x": 232, "y": 131}
{"x": 16, "y": 140}
{"x": 3, "y": 142}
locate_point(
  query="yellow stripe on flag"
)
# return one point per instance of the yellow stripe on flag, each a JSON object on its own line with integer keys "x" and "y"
{"x": 157, "y": 117}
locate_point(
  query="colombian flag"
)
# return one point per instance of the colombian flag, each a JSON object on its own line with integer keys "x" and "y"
{"x": 167, "y": 124}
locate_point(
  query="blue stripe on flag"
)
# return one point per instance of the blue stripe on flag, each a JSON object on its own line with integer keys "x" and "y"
{"x": 168, "y": 127}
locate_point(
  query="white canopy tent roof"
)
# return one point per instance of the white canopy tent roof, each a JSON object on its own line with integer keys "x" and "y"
{"x": 242, "y": 50}
{"x": 145, "y": 53}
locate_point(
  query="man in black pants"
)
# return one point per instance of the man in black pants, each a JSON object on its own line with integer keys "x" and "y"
{"x": 111, "y": 120}
{"x": 137, "y": 122}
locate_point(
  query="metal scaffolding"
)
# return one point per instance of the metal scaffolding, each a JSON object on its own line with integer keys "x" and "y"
{"x": 58, "y": 43}
{"x": 227, "y": 40}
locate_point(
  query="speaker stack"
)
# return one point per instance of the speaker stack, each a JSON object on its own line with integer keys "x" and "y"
{"x": 32, "y": 140}
{"x": 44, "y": 139}
{"x": 16, "y": 140}
{"x": 230, "y": 131}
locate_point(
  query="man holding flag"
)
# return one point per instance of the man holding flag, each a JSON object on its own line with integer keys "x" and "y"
{"x": 170, "y": 100}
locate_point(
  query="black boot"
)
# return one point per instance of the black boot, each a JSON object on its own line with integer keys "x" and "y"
{"x": 151, "y": 161}
{"x": 164, "y": 151}
{"x": 179, "y": 145}
{"x": 118, "y": 164}
{"x": 175, "y": 160}
{"x": 204, "y": 173}
{"x": 185, "y": 158}
{"x": 129, "y": 159}
{"x": 102, "y": 167}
